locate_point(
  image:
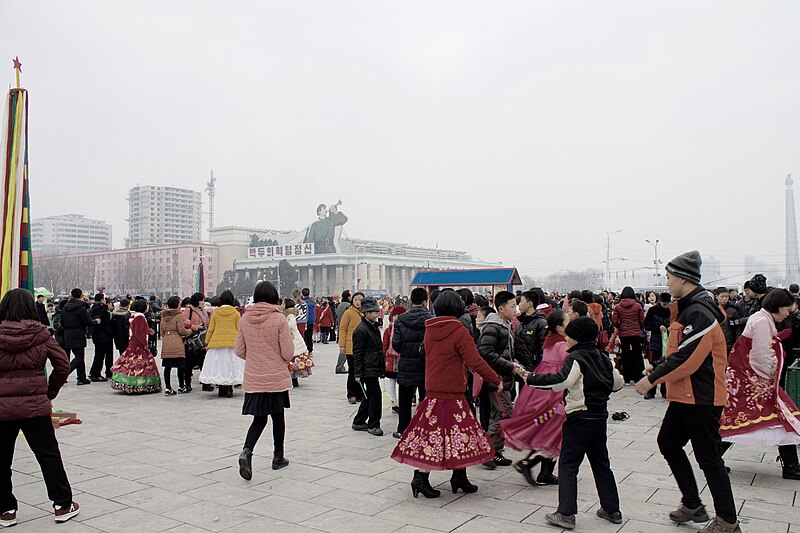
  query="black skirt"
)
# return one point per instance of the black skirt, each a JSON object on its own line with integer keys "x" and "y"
{"x": 392, "y": 375}
{"x": 176, "y": 362}
{"x": 265, "y": 403}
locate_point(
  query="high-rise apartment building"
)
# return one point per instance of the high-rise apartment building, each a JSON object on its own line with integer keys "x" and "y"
{"x": 69, "y": 234}
{"x": 160, "y": 215}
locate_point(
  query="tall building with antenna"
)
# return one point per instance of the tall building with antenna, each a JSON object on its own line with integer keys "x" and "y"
{"x": 792, "y": 251}
{"x": 211, "y": 190}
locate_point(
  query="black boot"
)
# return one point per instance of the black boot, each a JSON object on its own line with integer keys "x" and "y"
{"x": 295, "y": 382}
{"x": 459, "y": 481}
{"x": 246, "y": 464}
{"x": 546, "y": 476}
{"x": 421, "y": 483}
{"x": 788, "y": 458}
{"x": 279, "y": 461}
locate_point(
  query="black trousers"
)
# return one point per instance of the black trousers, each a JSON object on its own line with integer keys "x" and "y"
{"x": 632, "y": 361}
{"x": 353, "y": 388}
{"x": 41, "y": 438}
{"x": 700, "y": 425}
{"x": 369, "y": 412}
{"x": 585, "y": 434}
{"x": 77, "y": 364}
{"x": 324, "y": 333}
{"x": 308, "y": 336}
{"x": 103, "y": 353}
{"x": 404, "y": 396}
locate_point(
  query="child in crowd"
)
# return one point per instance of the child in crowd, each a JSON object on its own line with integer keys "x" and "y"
{"x": 391, "y": 356}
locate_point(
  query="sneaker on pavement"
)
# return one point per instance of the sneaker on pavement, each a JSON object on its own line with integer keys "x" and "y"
{"x": 614, "y": 518}
{"x": 683, "y": 514}
{"x": 359, "y": 427}
{"x": 8, "y": 518}
{"x": 560, "y": 520}
{"x": 489, "y": 465}
{"x": 719, "y": 525}
{"x": 378, "y": 432}
{"x": 65, "y": 513}
{"x": 500, "y": 460}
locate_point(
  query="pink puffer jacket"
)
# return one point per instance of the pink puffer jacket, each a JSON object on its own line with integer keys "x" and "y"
{"x": 265, "y": 343}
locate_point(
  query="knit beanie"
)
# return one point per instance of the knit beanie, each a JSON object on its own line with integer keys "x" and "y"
{"x": 396, "y": 310}
{"x": 369, "y": 305}
{"x": 758, "y": 284}
{"x": 686, "y": 266}
{"x": 582, "y": 329}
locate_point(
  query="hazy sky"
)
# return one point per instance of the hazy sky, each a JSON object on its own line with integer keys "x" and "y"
{"x": 518, "y": 131}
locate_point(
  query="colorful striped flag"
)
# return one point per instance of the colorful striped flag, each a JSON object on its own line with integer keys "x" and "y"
{"x": 201, "y": 278}
{"x": 16, "y": 267}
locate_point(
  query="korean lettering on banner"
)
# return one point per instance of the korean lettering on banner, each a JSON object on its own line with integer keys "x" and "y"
{"x": 251, "y": 253}
{"x": 308, "y": 248}
{"x": 270, "y": 251}
{"x": 287, "y": 250}
{"x": 298, "y": 249}
{"x": 260, "y": 252}
{"x": 278, "y": 250}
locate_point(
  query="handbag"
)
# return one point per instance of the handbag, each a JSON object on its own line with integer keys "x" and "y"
{"x": 195, "y": 342}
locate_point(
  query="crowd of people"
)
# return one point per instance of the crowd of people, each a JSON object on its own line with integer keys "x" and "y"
{"x": 531, "y": 370}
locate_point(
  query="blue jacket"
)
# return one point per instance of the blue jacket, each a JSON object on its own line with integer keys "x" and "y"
{"x": 311, "y": 307}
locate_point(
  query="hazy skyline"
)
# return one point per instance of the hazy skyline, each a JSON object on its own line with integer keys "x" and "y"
{"x": 517, "y": 131}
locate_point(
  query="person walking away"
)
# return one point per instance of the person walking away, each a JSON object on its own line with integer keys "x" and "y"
{"x": 350, "y": 321}
{"x": 589, "y": 377}
{"x": 628, "y": 318}
{"x": 196, "y": 314}
{"x": 656, "y": 321}
{"x": 407, "y": 340}
{"x": 496, "y": 346}
{"x": 311, "y": 318}
{"x": 58, "y": 324}
{"x": 136, "y": 372}
{"x": 369, "y": 366}
{"x": 301, "y": 364}
{"x": 340, "y": 310}
{"x": 694, "y": 371}
{"x": 75, "y": 319}
{"x": 265, "y": 344}
{"x": 535, "y": 424}
{"x": 120, "y": 325}
{"x": 41, "y": 311}
{"x": 325, "y": 322}
{"x": 173, "y": 355}
{"x": 25, "y": 348}
{"x": 391, "y": 356}
{"x": 754, "y": 370}
{"x": 221, "y": 366}
{"x": 102, "y": 338}
{"x": 443, "y": 434}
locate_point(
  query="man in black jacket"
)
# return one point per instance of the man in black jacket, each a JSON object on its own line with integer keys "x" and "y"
{"x": 732, "y": 327}
{"x": 370, "y": 366}
{"x": 102, "y": 338}
{"x": 531, "y": 332}
{"x": 41, "y": 311}
{"x": 75, "y": 319}
{"x": 409, "y": 332}
{"x": 496, "y": 346}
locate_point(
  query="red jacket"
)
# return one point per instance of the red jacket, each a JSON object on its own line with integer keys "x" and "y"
{"x": 325, "y": 317}
{"x": 25, "y": 348}
{"x": 389, "y": 355}
{"x": 448, "y": 348}
{"x": 628, "y": 318}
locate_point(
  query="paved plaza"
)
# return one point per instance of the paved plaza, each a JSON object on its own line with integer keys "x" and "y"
{"x": 154, "y": 463}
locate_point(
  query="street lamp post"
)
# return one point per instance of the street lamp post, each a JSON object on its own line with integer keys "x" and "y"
{"x": 608, "y": 255}
{"x": 355, "y": 268}
{"x": 655, "y": 260}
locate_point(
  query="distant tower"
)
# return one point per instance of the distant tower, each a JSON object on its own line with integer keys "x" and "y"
{"x": 792, "y": 252}
{"x": 210, "y": 189}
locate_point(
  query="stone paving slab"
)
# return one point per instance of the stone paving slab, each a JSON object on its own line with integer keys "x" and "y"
{"x": 156, "y": 463}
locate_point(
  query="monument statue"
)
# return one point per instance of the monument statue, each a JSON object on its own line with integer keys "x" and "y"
{"x": 324, "y": 233}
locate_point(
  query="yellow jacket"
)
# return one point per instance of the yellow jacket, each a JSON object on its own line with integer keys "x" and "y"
{"x": 223, "y": 328}
{"x": 350, "y": 321}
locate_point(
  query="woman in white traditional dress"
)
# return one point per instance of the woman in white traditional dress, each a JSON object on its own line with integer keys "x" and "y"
{"x": 222, "y": 367}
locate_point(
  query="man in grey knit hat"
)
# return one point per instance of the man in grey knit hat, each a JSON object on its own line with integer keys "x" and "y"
{"x": 694, "y": 372}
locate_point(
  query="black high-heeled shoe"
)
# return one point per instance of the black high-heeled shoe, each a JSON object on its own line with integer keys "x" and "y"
{"x": 459, "y": 481}
{"x": 246, "y": 464}
{"x": 421, "y": 484}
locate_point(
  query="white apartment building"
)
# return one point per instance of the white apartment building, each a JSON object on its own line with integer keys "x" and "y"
{"x": 159, "y": 215}
{"x": 69, "y": 234}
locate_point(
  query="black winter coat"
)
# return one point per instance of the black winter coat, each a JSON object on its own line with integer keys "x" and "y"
{"x": 100, "y": 332}
{"x": 496, "y": 347}
{"x": 529, "y": 340}
{"x": 368, "y": 360}
{"x": 656, "y": 317}
{"x": 409, "y": 332}
{"x": 75, "y": 319}
{"x": 121, "y": 329}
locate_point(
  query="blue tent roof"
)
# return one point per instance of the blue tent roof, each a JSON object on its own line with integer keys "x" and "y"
{"x": 467, "y": 278}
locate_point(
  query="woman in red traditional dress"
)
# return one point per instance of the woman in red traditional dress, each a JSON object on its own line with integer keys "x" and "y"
{"x": 136, "y": 371}
{"x": 759, "y": 412}
{"x": 535, "y": 425}
{"x": 443, "y": 434}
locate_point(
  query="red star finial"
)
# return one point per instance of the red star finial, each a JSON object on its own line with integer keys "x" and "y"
{"x": 17, "y": 64}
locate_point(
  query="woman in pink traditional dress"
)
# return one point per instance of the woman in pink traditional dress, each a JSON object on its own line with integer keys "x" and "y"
{"x": 443, "y": 434}
{"x": 135, "y": 371}
{"x": 759, "y": 412}
{"x": 535, "y": 425}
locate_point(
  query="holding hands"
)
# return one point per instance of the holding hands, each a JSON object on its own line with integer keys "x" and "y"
{"x": 521, "y": 372}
